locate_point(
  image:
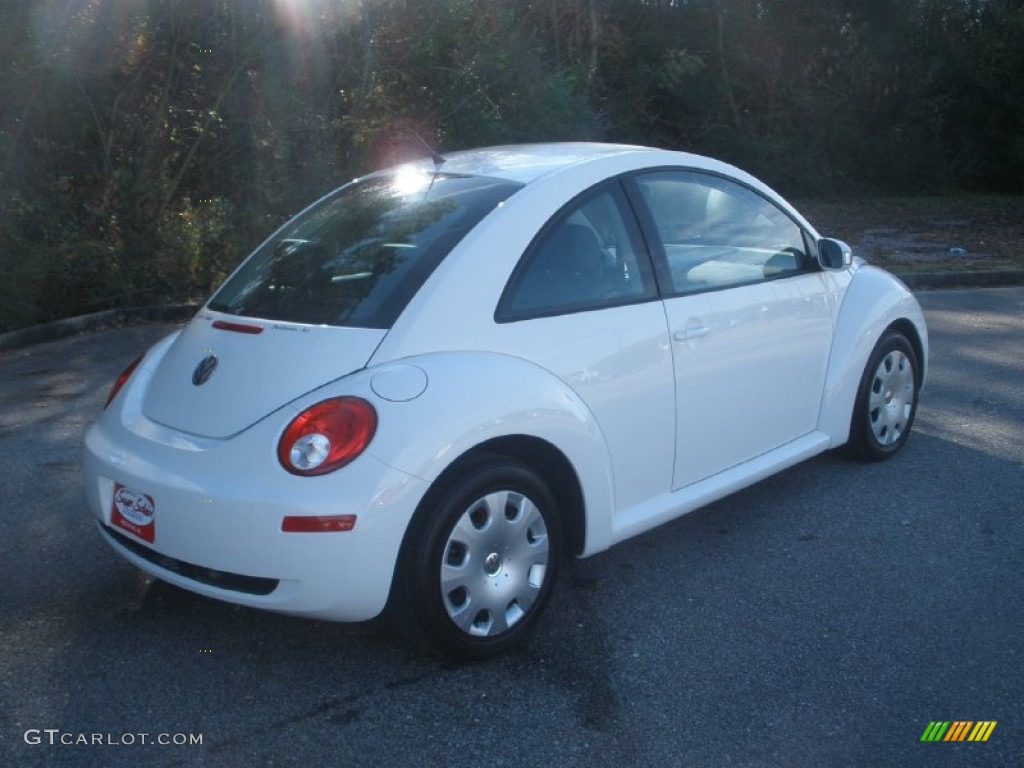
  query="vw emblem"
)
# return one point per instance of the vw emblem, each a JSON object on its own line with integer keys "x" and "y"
{"x": 204, "y": 370}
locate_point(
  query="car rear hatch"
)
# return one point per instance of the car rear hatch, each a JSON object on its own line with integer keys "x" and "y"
{"x": 223, "y": 373}
{"x": 325, "y": 288}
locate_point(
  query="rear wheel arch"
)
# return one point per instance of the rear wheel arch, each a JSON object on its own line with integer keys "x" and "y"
{"x": 497, "y": 570}
{"x": 550, "y": 463}
{"x": 557, "y": 471}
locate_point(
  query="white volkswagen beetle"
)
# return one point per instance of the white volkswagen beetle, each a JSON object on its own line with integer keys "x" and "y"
{"x": 430, "y": 384}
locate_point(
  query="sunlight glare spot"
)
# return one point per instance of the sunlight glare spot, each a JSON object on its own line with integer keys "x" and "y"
{"x": 306, "y": 17}
{"x": 409, "y": 180}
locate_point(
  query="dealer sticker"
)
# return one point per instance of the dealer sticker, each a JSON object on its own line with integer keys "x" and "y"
{"x": 134, "y": 512}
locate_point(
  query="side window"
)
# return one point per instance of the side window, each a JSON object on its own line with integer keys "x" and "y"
{"x": 588, "y": 257}
{"x": 717, "y": 233}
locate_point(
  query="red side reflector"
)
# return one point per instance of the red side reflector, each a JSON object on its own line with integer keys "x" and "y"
{"x": 318, "y": 523}
{"x": 237, "y": 327}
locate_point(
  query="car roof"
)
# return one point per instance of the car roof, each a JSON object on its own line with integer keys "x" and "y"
{"x": 523, "y": 163}
{"x": 526, "y": 163}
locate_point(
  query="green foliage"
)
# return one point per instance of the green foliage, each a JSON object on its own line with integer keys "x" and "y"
{"x": 146, "y": 146}
{"x": 194, "y": 244}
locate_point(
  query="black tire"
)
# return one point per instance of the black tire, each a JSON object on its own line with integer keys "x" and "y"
{"x": 886, "y": 399}
{"x": 479, "y": 560}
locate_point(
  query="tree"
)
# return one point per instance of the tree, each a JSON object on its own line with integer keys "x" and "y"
{"x": 147, "y": 145}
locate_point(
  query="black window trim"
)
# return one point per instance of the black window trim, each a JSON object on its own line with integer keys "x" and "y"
{"x": 620, "y": 196}
{"x": 656, "y": 248}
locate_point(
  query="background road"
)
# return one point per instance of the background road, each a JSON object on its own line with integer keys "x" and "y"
{"x": 822, "y": 617}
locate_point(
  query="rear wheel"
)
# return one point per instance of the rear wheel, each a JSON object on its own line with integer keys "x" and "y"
{"x": 480, "y": 560}
{"x": 886, "y": 400}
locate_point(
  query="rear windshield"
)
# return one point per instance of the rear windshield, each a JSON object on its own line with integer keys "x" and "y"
{"x": 358, "y": 256}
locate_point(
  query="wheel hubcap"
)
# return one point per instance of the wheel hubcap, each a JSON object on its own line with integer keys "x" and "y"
{"x": 494, "y": 563}
{"x": 891, "y": 399}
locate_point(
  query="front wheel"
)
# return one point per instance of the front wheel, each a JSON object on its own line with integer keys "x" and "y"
{"x": 886, "y": 400}
{"x": 479, "y": 560}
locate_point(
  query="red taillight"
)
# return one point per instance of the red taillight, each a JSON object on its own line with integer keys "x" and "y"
{"x": 120, "y": 382}
{"x": 327, "y": 436}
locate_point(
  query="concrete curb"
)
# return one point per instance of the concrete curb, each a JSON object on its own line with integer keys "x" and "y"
{"x": 993, "y": 278}
{"x": 917, "y": 281}
{"x": 71, "y": 325}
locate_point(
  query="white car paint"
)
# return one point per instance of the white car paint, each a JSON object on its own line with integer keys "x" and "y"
{"x": 243, "y": 390}
{"x": 659, "y": 407}
{"x": 872, "y": 300}
{"x": 781, "y": 329}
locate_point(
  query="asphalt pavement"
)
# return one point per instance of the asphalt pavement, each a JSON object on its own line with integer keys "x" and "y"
{"x": 823, "y": 617}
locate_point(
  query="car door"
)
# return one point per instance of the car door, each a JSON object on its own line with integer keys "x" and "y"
{"x": 749, "y": 316}
{"x": 583, "y": 303}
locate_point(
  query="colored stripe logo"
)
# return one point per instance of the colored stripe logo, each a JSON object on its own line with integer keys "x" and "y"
{"x": 958, "y": 730}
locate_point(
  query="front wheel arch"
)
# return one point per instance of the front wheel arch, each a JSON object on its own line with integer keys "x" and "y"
{"x": 910, "y": 331}
{"x": 887, "y": 397}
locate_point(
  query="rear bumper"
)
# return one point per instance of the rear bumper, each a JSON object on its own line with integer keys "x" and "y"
{"x": 218, "y": 508}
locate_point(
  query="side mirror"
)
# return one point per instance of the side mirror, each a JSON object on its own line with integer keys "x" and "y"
{"x": 834, "y": 254}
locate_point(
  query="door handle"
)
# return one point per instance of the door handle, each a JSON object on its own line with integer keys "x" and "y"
{"x": 691, "y": 332}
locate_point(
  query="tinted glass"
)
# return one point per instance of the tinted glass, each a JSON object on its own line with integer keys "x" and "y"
{"x": 717, "y": 233}
{"x": 588, "y": 258}
{"x": 358, "y": 256}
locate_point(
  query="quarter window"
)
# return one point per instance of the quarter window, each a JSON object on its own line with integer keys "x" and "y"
{"x": 716, "y": 233}
{"x": 589, "y": 257}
